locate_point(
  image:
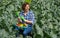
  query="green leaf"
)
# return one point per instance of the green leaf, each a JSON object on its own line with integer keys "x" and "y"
{"x": 28, "y": 1}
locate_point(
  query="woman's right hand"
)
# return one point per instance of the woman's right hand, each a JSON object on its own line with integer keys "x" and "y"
{"x": 19, "y": 20}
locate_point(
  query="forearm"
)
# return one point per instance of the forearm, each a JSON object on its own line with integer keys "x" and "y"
{"x": 29, "y": 22}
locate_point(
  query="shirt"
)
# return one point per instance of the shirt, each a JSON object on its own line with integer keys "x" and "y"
{"x": 29, "y": 16}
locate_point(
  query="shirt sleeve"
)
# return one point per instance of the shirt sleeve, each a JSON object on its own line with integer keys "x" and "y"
{"x": 32, "y": 18}
{"x": 20, "y": 13}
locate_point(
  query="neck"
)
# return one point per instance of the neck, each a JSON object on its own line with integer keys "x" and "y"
{"x": 26, "y": 11}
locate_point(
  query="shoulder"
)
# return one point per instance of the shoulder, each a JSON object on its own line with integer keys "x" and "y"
{"x": 21, "y": 13}
{"x": 31, "y": 12}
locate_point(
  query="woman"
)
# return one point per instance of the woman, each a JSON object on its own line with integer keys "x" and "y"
{"x": 29, "y": 18}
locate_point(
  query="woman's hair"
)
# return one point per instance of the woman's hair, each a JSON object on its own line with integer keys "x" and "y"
{"x": 24, "y": 5}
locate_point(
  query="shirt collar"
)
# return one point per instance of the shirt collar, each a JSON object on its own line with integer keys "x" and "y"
{"x": 23, "y": 13}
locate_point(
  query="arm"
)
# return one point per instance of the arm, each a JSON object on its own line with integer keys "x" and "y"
{"x": 31, "y": 20}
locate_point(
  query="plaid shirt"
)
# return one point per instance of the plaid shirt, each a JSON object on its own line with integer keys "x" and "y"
{"x": 29, "y": 16}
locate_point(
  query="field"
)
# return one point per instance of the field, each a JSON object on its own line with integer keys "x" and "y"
{"x": 47, "y": 15}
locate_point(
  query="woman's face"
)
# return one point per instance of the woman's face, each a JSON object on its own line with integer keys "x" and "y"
{"x": 27, "y": 8}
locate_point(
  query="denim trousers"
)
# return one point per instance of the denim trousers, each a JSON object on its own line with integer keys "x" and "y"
{"x": 25, "y": 32}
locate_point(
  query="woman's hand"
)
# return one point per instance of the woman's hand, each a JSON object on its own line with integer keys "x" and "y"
{"x": 19, "y": 20}
{"x": 28, "y": 21}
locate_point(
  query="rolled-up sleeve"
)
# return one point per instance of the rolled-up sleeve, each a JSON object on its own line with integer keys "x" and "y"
{"x": 33, "y": 19}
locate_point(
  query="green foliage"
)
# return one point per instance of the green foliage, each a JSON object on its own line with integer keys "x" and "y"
{"x": 29, "y": 1}
{"x": 17, "y": 13}
{"x": 22, "y": 18}
{"x": 47, "y": 15}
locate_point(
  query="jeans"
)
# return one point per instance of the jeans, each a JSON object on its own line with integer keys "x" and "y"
{"x": 25, "y": 31}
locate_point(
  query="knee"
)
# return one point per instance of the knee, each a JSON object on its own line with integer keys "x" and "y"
{"x": 24, "y": 33}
